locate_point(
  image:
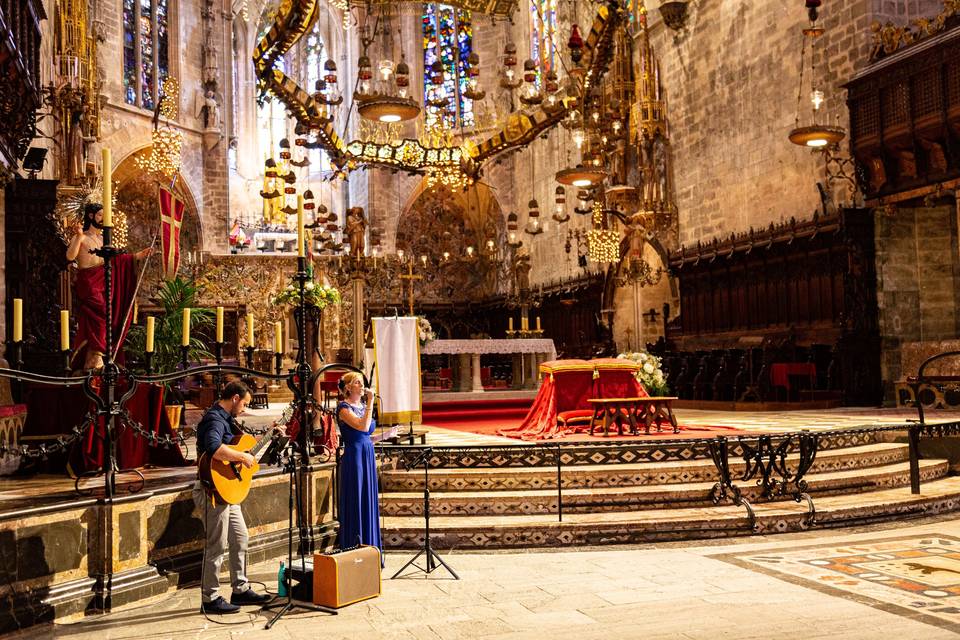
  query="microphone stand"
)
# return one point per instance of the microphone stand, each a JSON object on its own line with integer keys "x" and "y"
{"x": 426, "y": 549}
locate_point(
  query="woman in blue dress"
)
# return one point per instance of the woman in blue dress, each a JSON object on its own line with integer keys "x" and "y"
{"x": 359, "y": 509}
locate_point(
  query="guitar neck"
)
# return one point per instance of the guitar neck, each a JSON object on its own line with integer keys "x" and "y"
{"x": 261, "y": 443}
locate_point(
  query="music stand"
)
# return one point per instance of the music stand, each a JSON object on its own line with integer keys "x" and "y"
{"x": 426, "y": 549}
{"x": 291, "y": 465}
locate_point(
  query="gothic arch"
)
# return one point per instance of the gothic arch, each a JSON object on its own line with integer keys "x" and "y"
{"x": 440, "y": 220}
{"x": 137, "y": 196}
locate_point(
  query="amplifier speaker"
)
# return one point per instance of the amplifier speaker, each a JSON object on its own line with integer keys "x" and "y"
{"x": 343, "y": 578}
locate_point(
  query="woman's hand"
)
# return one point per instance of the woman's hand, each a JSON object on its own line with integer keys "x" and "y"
{"x": 369, "y": 395}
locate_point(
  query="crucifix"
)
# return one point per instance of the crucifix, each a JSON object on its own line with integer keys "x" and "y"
{"x": 410, "y": 278}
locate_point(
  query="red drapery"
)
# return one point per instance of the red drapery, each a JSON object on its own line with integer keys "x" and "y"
{"x": 567, "y": 385}
{"x": 53, "y": 411}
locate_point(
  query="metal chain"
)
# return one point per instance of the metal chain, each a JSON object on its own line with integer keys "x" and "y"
{"x": 154, "y": 439}
{"x": 59, "y": 445}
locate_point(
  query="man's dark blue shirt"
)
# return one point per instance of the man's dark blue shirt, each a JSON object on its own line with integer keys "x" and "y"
{"x": 215, "y": 429}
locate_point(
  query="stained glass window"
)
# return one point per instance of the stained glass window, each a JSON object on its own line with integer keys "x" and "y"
{"x": 543, "y": 35}
{"x": 145, "y": 50}
{"x": 447, "y": 37}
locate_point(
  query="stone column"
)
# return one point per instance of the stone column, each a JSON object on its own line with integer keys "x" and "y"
{"x": 517, "y": 382}
{"x": 477, "y": 382}
{"x": 462, "y": 373}
{"x": 530, "y": 362}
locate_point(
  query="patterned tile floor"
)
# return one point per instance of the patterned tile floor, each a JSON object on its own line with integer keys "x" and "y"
{"x": 817, "y": 588}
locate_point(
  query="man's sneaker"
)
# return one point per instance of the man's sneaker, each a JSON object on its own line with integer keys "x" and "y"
{"x": 249, "y": 597}
{"x": 218, "y": 606}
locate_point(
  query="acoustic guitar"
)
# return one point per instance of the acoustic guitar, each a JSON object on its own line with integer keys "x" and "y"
{"x": 229, "y": 482}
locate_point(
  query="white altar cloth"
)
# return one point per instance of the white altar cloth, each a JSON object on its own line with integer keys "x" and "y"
{"x": 507, "y": 346}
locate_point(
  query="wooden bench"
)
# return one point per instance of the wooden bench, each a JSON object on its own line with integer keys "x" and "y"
{"x": 656, "y": 409}
{"x": 650, "y": 410}
{"x": 616, "y": 410}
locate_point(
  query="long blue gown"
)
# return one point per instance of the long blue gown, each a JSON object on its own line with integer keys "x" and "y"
{"x": 359, "y": 509}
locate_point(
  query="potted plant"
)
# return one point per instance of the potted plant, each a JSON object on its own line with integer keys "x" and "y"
{"x": 317, "y": 297}
{"x": 173, "y": 296}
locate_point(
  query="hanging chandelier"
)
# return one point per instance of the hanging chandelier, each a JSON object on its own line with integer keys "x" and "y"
{"x": 384, "y": 99}
{"x": 818, "y": 134}
{"x": 164, "y": 157}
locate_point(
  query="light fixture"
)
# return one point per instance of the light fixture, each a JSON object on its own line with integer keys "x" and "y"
{"x": 581, "y": 176}
{"x": 533, "y": 218}
{"x": 560, "y": 211}
{"x": 389, "y": 102}
{"x": 509, "y": 79}
{"x": 818, "y": 134}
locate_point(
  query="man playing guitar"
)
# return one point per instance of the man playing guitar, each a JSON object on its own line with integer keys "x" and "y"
{"x": 224, "y": 523}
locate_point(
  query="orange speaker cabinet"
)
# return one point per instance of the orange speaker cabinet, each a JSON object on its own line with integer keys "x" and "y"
{"x": 343, "y": 578}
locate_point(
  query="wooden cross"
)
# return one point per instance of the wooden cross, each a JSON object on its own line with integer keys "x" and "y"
{"x": 410, "y": 277}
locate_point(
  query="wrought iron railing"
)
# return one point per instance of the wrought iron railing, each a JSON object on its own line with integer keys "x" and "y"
{"x": 768, "y": 461}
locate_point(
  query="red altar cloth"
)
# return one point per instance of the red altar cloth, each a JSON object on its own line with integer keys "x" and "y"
{"x": 568, "y": 385}
{"x": 54, "y": 411}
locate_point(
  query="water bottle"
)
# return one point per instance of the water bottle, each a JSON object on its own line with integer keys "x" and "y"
{"x": 281, "y": 582}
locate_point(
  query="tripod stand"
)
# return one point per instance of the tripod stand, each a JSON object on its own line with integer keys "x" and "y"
{"x": 291, "y": 466}
{"x": 426, "y": 549}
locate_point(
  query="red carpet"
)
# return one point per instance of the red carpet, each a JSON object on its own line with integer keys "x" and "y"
{"x": 487, "y": 417}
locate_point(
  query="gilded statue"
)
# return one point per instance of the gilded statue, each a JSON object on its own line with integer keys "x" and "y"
{"x": 355, "y": 228}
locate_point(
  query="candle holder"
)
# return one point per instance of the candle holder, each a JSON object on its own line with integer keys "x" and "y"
{"x": 184, "y": 349}
{"x": 16, "y": 351}
{"x": 511, "y": 334}
{"x": 148, "y": 356}
{"x": 249, "y": 356}
{"x": 278, "y": 362}
{"x": 218, "y": 376}
{"x": 65, "y": 354}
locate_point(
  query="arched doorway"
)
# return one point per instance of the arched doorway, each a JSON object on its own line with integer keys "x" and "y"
{"x": 137, "y": 197}
{"x": 453, "y": 230}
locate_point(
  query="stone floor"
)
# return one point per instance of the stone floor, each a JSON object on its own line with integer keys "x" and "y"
{"x": 676, "y": 590}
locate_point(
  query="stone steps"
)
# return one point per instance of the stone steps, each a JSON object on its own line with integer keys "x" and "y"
{"x": 642, "y": 526}
{"x": 482, "y": 479}
{"x": 647, "y": 496}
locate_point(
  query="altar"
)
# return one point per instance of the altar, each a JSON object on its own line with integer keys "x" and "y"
{"x": 528, "y": 354}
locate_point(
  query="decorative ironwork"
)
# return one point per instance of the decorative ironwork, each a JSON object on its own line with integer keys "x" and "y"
{"x": 724, "y": 489}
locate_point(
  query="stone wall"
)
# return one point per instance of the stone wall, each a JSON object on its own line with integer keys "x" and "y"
{"x": 918, "y": 274}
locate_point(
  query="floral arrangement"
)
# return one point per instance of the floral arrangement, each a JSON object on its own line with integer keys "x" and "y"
{"x": 650, "y": 374}
{"x": 424, "y": 331}
{"x": 315, "y": 294}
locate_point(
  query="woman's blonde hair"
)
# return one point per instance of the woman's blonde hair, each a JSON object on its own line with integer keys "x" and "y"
{"x": 346, "y": 379}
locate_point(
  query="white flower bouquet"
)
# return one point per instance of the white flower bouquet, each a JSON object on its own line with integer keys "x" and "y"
{"x": 650, "y": 374}
{"x": 424, "y": 331}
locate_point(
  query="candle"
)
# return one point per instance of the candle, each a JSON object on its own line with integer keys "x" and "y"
{"x": 250, "y": 329}
{"x": 277, "y": 338}
{"x": 538, "y": 323}
{"x": 185, "y": 336}
{"x": 136, "y": 312}
{"x": 17, "y": 319}
{"x": 219, "y": 324}
{"x": 150, "y": 328}
{"x": 300, "y": 234}
{"x": 64, "y": 330}
{"x": 524, "y": 326}
{"x": 511, "y": 323}
{"x": 107, "y": 169}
